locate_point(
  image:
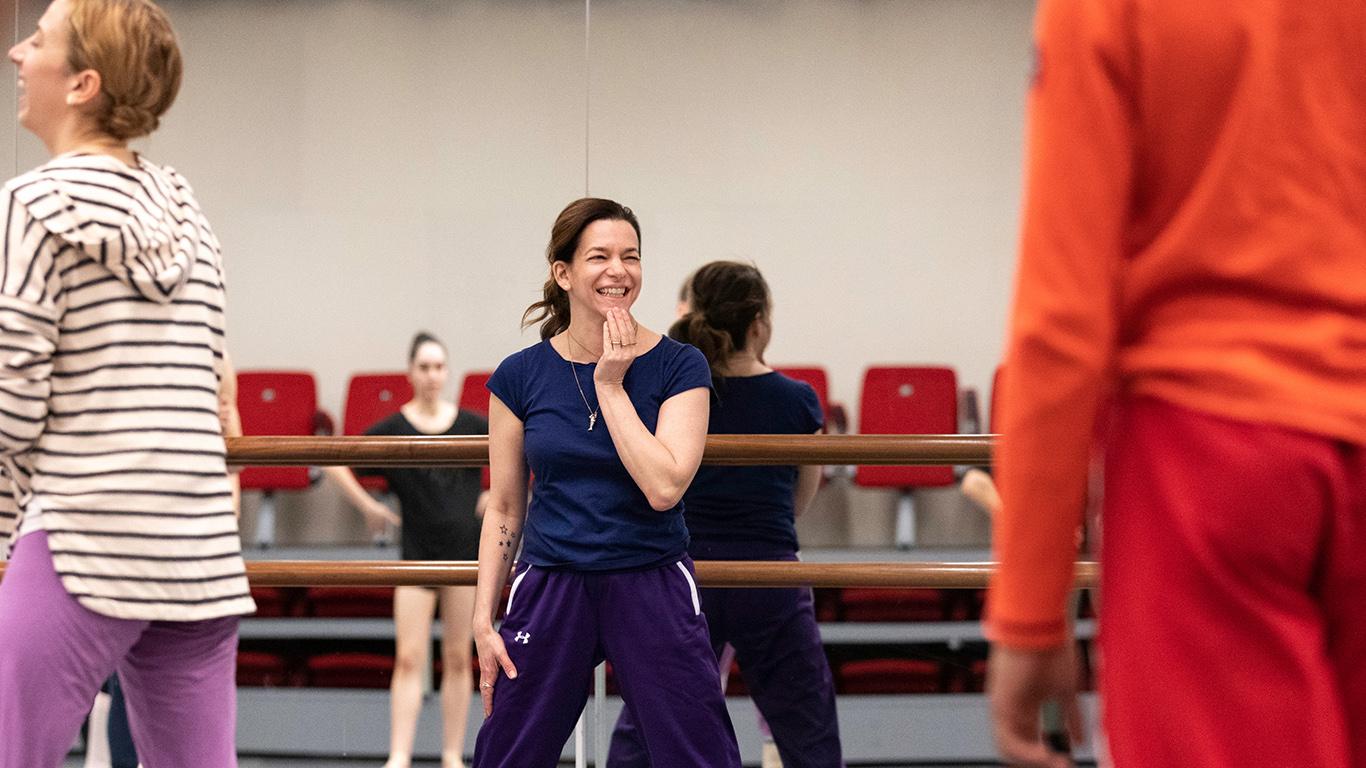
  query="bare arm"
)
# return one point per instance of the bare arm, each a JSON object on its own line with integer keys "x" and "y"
{"x": 662, "y": 464}
{"x": 376, "y": 514}
{"x": 504, "y": 517}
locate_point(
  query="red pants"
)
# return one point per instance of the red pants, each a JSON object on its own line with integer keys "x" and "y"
{"x": 1233, "y": 624}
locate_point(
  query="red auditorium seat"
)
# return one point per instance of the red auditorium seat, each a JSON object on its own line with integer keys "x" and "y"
{"x": 827, "y": 604}
{"x": 879, "y": 604}
{"x": 976, "y": 676}
{"x": 278, "y": 403}
{"x": 973, "y": 602}
{"x": 371, "y": 397}
{"x": 611, "y": 675}
{"x": 262, "y": 670}
{"x": 735, "y": 681}
{"x": 835, "y": 420}
{"x": 350, "y": 670}
{"x": 474, "y": 397}
{"x": 275, "y": 601}
{"x": 351, "y": 602}
{"x": 890, "y": 676}
{"x": 907, "y": 400}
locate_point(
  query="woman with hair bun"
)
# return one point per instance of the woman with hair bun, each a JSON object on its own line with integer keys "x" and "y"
{"x": 747, "y": 513}
{"x": 126, "y": 555}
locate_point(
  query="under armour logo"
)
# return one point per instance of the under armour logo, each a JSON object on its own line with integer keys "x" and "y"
{"x": 522, "y": 637}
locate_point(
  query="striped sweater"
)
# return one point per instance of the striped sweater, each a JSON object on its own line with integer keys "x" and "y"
{"x": 111, "y": 352}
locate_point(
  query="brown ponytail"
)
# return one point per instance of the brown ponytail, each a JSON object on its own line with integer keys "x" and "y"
{"x": 727, "y": 297}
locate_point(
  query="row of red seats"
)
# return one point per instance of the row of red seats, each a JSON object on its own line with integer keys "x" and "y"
{"x": 286, "y": 403}
{"x": 355, "y": 669}
{"x": 859, "y": 604}
{"x": 894, "y": 400}
{"x": 959, "y": 673}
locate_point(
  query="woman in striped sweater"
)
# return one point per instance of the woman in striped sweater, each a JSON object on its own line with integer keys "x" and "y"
{"x": 127, "y": 556}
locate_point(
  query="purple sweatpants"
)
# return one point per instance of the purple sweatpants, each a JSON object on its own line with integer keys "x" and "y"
{"x": 778, "y": 645}
{"x": 178, "y": 676}
{"x": 649, "y": 624}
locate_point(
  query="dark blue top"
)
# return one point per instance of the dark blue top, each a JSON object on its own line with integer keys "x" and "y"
{"x": 586, "y": 512}
{"x": 741, "y": 512}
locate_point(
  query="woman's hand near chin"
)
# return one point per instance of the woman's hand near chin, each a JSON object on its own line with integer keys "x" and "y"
{"x": 618, "y": 347}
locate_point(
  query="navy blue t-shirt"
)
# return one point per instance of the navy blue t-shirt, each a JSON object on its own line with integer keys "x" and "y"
{"x": 586, "y": 512}
{"x": 739, "y": 512}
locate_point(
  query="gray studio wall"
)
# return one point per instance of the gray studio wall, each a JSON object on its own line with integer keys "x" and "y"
{"x": 378, "y": 166}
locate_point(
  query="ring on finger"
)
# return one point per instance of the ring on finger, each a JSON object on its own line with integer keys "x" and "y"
{"x": 486, "y": 685}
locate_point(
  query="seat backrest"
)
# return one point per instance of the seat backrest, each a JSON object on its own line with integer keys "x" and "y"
{"x": 371, "y": 397}
{"x": 813, "y": 375}
{"x": 276, "y": 403}
{"x": 473, "y": 396}
{"x": 907, "y": 400}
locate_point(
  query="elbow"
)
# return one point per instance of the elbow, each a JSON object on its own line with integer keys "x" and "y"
{"x": 501, "y": 510}
{"x": 661, "y": 503}
{"x": 665, "y": 498}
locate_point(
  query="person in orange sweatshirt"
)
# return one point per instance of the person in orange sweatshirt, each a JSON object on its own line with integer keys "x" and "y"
{"x": 1193, "y": 279}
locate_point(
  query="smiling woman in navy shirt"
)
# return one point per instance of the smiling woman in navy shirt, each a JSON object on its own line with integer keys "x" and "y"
{"x": 748, "y": 513}
{"x": 610, "y": 418}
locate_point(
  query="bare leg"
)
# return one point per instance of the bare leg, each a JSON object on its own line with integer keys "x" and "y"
{"x": 457, "y": 614}
{"x": 414, "y": 608}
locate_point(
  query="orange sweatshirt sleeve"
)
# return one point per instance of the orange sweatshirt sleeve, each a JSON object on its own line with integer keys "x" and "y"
{"x": 1061, "y": 348}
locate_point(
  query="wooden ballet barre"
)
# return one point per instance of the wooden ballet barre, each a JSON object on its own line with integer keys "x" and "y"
{"x": 731, "y": 450}
{"x": 710, "y": 573}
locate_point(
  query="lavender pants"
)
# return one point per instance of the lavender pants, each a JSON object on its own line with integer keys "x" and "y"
{"x": 649, "y": 624}
{"x": 178, "y": 676}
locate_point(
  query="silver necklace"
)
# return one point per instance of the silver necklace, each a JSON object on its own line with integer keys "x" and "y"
{"x": 574, "y": 371}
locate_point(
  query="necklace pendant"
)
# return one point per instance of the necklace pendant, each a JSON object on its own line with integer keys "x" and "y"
{"x": 592, "y": 419}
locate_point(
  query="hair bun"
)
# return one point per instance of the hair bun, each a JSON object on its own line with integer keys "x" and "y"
{"x": 127, "y": 121}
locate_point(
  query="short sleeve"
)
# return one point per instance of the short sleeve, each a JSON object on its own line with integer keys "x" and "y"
{"x": 381, "y": 428}
{"x": 508, "y": 384}
{"x": 688, "y": 370}
{"x": 471, "y": 423}
{"x": 811, "y": 416}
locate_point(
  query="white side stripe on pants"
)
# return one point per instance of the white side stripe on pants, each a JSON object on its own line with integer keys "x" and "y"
{"x": 515, "y": 583}
{"x": 692, "y": 587}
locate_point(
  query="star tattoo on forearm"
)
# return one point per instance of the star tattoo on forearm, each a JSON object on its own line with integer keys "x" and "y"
{"x": 507, "y": 538}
